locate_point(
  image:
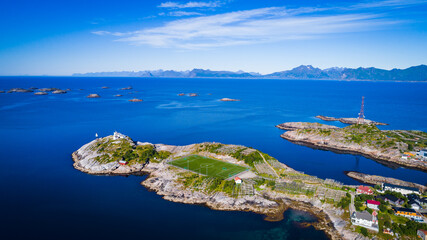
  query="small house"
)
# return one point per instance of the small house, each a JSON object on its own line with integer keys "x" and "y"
{"x": 414, "y": 204}
{"x": 123, "y": 162}
{"x": 423, "y": 154}
{"x": 408, "y": 213}
{"x": 118, "y": 135}
{"x": 237, "y": 180}
{"x": 422, "y": 234}
{"x": 391, "y": 199}
{"x": 372, "y": 204}
{"x": 388, "y": 231}
{"x": 402, "y": 189}
{"x": 364, "y": 190}
{"x": 365, "y": 219}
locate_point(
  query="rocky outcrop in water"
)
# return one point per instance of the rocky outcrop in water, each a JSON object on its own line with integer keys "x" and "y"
{"x": 229, "y": 100}
{"x": 20, "y": 90}
{"x": 135, "y": 100}
{"x": 93, "y": 95}
{"x": 349, "y": 120}
{"x": 304, "y": 125}
{"x": 40, "y": 93}
{"x": 59, "y": 92}
{"x": 374, "y": 180}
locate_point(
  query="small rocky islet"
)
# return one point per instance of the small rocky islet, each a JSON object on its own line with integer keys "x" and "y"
{"x": 46, "y": 91}
{"x": 229, "y": 100}
{"x": 135, "y": 100}
{"x": 93, "y": 95}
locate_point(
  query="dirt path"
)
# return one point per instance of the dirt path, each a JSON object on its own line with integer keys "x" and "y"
{"x": 268, "y": 164}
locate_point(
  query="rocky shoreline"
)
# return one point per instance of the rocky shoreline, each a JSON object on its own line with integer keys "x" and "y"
{"x": 374, "y": 180}
{"x": 303, "y": 125}
{"x": 332, "y": 138}
{"x": 163, "y": 179}
{"x": 325, "y": 143}
{"x": 348, "y": 120}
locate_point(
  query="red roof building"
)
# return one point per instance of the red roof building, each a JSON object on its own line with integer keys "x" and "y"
{"x": 364, "y": 190}
{"x": 237, "y": 180}
{"x": 372, "y": 204}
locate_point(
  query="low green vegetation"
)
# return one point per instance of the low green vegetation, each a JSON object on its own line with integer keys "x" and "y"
{"x": 415, "y": 140}
{"x": 208, "y": 184}
{"x": 123, "y": 149}
{"x": 208, "y": 166}
{"x": 249, "y": 155}
{"x": 344, "y": 202}
{"x": 370, "y": 135}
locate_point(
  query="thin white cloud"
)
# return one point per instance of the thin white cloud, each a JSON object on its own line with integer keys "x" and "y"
{"x": 183, "y": 13}
{"x": 213, "y": 4}
{"x": 388, "y": 3}
{"x": 263, "y": 25}
{"x": 117, "y": 34}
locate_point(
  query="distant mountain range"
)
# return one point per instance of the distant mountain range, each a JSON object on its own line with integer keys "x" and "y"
{"x": 416, "y": 73}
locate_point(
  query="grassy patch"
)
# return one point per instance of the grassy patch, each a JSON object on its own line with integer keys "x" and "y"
{"x": 208, "y": 166}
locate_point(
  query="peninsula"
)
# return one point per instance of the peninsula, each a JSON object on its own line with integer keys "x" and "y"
{"x": 221, "y": 177}
{"x": 238, "y": 178}
{"x": 348, "y": 120}
{"x": 399, "y": 147}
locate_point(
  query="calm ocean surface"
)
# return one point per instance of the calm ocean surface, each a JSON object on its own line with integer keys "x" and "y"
{"x": 43, "y": 197}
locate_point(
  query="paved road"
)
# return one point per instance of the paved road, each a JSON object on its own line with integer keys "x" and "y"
{"x": 352, "y": 208}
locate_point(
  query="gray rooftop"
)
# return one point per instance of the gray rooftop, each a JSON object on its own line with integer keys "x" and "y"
{"x": 363, "y": 215}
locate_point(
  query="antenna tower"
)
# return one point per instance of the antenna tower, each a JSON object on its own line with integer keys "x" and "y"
{"x": 361, "y": 117}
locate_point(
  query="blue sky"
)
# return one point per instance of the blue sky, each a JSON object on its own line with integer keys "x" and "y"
{"x": 64, "y": 37}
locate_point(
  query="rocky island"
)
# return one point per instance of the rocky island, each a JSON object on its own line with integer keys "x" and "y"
{"x": 386, "y": 146}
{"x": 348, "y": 120}
{"x": 221, "y": 177}
{"x": 135, "y": 100}
{"x": 93, "y": 95}
{"x": 229, "y": 100}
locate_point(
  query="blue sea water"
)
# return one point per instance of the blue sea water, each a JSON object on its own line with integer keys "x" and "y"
{"x": 44, "y": 197}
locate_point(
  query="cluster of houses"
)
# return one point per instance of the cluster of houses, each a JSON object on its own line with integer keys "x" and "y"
{"x": 420, "y": 155}
{"x": 370, "y": 221}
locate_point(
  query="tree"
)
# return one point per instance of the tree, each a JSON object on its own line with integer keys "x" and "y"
{"x": 383, "y": 208}
{"x": 364, "y": 231}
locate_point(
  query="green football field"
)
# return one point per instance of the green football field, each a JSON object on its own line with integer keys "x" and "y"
{"x": 208, "y": 166}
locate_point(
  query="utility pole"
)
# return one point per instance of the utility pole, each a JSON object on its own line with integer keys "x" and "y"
{"x": 361, "y": 118}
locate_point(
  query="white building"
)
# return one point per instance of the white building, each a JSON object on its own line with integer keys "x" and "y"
{"x": 237, "y": 180}
{"x": 422, "y": 234}
{"x": 401, "y": 189}
{"x": 423, "y": 154}
{"x": 373, "y": 204}
{"x": 365, "y": 219}
{"x": 118, "y": 135}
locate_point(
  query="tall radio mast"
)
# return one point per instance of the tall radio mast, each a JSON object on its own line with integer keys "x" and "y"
{"x": 361, "y": 118}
